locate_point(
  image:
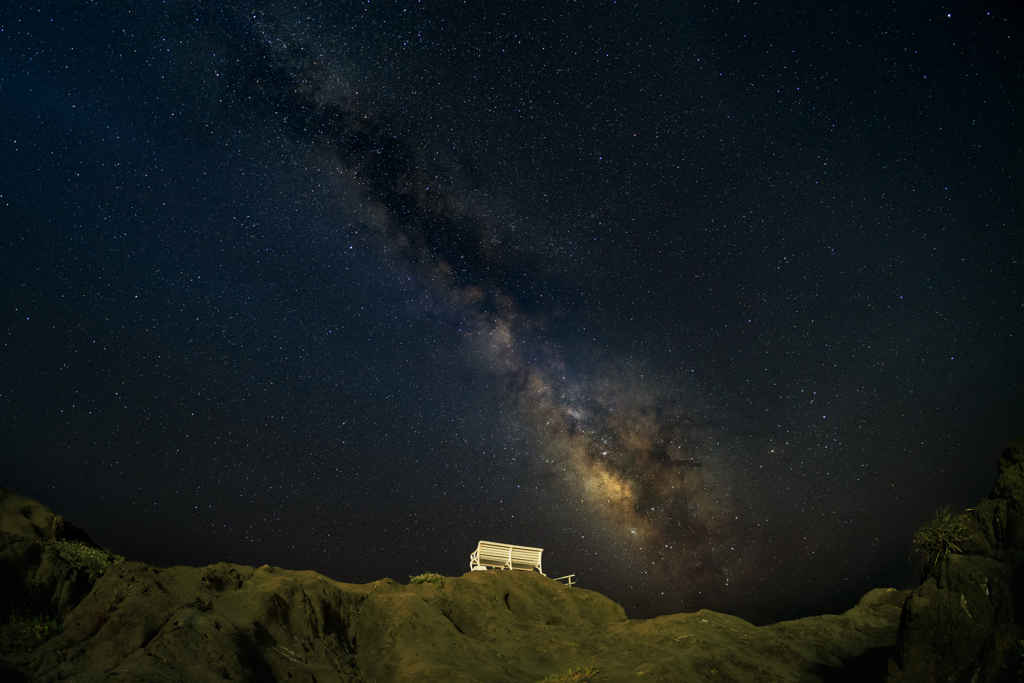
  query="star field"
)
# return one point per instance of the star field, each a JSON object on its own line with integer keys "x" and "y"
{"x": 716, "y": 304}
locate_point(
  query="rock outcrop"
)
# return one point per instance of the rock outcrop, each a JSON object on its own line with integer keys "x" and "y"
{"x": 231, "y": 622}
{"x": 34, "y": 577}
{"x": 964, "y": 623}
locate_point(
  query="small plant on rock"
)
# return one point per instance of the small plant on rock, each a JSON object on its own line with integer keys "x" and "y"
{"x": 941, "y": 537}
{"x": 578, "y": 675}
{"x": 119, "y": 595}
{"x": 435, "y": 580}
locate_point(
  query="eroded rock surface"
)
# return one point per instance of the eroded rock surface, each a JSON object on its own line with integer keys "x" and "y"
{"x": 216, "y": 623}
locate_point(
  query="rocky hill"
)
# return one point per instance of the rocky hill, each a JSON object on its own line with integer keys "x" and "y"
{"x": 82, "y": 614}
{"x": 230, "y": 622}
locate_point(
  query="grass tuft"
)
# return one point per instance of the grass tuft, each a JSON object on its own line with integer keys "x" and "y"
{"x": 435, "y": 580}
{"x": 941, "y": 537}
{"x": 577, "y": 675}
{"x": 26, "y": 632}
{"x": 120, "y": 593}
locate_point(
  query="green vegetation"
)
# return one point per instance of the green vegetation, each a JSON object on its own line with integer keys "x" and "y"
{"x": 119, "y": 594}
{"x": 430, "y": 577}
{"x": 941, "y": 537}
{"x": 507, "y": 660}
{"x": 577, "y": 675}
{"x": 93, "y": 561}
{"x": 24, "y": 632}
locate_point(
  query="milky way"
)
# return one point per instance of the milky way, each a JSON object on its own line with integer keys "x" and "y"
{"x": 631, "y": 453}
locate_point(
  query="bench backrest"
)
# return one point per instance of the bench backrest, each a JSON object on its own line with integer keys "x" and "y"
{"x": 505, "y": 556}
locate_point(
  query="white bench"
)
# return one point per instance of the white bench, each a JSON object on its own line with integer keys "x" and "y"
{"x": 505, "y": 556}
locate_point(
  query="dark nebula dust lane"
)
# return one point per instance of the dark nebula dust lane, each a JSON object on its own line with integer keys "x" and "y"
{"x": 716, "y": 304}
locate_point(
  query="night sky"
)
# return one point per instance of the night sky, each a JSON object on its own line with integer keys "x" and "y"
{"x": 715, "y": 302}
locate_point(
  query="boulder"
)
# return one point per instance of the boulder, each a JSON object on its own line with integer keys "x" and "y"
{"x": 964, "y": 623}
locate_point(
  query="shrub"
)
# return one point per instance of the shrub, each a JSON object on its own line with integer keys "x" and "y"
{"x": 941, "y": 537}
{"x": 93, "y": 561}
{"x": 430, "y": 577}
